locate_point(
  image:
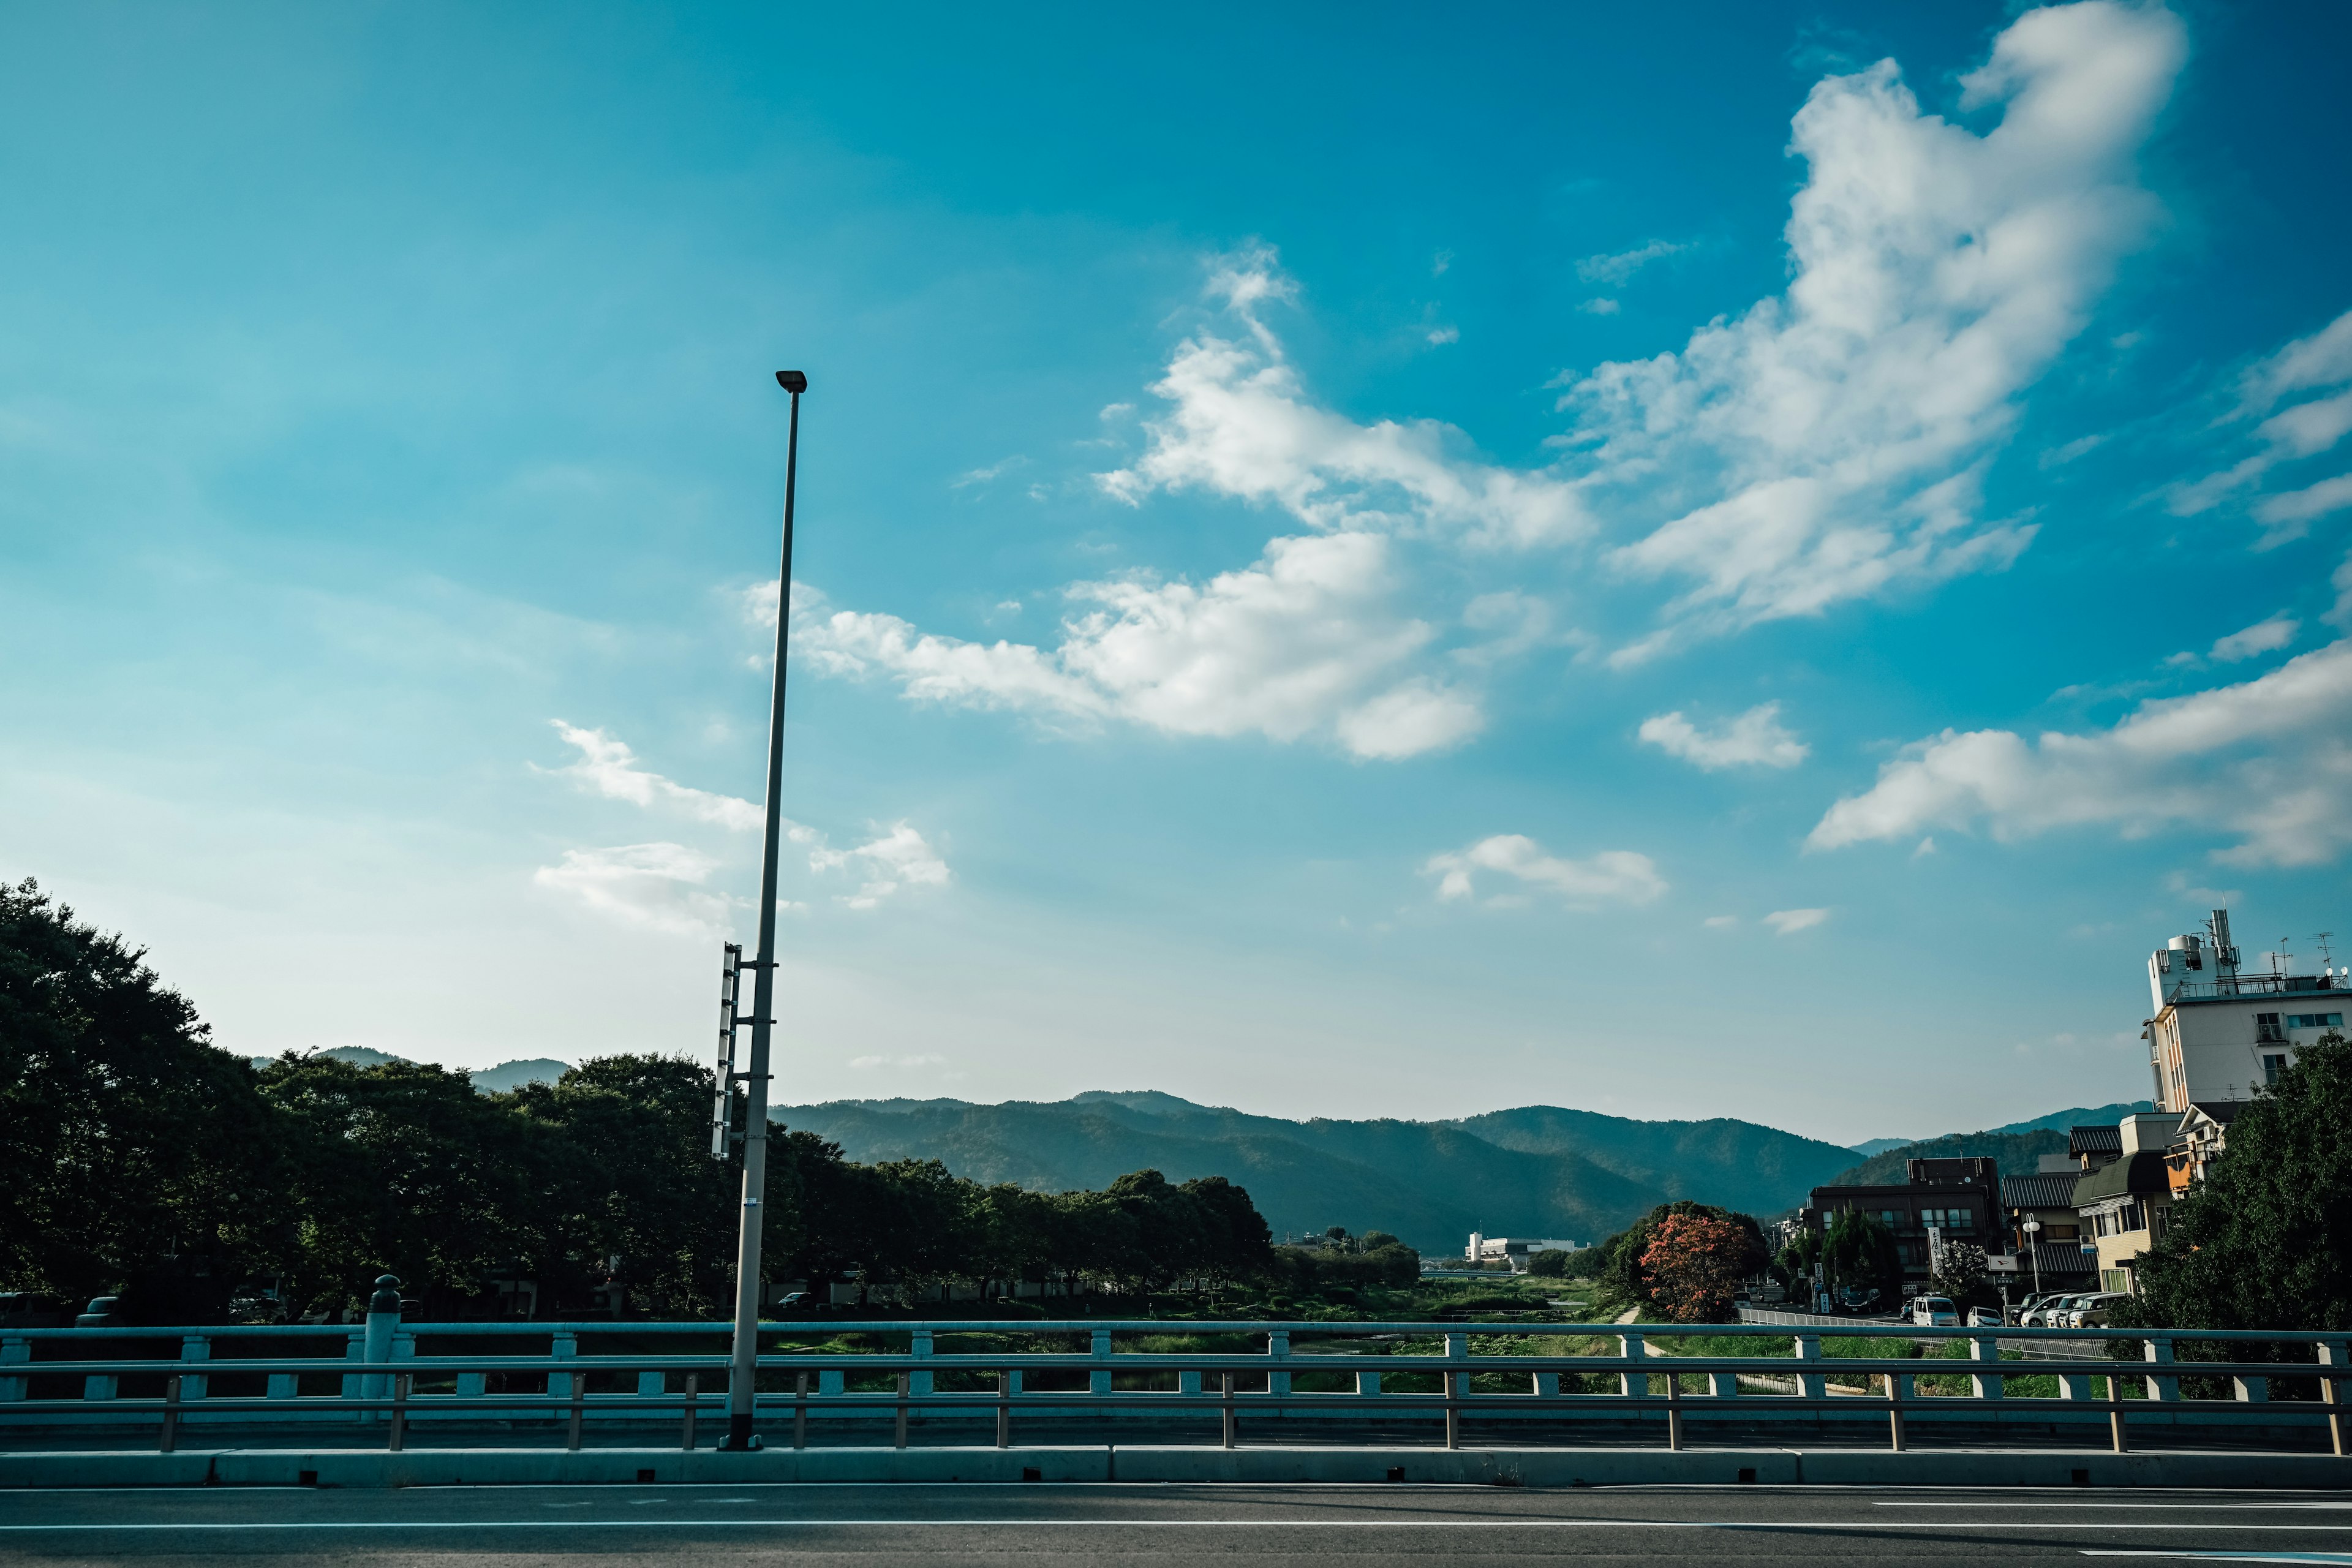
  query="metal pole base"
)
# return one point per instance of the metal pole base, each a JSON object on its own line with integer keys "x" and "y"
{"x": 739, "y": 1438}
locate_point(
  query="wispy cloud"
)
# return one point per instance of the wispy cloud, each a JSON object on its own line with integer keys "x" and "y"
{"x": 1788, "y": 922}
{"x": 608, "y": 767}
{"x": 2312, "y": 377}
{"x": 896, "y": 859}
{"x": 2268, "y": 762}
{"x": 659, "y": 886}
{"x": 1611, "y": 877}
{"x": 1755, "y": 739}
{"x": 1615, "y": 270}
{"x": 1827, "y": 444}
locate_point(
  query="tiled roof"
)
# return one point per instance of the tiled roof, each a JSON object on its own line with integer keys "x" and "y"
{"x": 2095, "y": 1139}
{"x": 2052, "y": 1190}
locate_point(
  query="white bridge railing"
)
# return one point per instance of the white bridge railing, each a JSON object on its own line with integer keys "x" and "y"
{"x": 385, "y": 1378}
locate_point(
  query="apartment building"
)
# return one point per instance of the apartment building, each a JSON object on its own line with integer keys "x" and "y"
{"x": 2220, "y": 1033}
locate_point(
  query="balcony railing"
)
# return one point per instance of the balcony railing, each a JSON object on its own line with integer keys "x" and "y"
{"x": 2253, "y": 986}
{"x": 386, "y": 1387}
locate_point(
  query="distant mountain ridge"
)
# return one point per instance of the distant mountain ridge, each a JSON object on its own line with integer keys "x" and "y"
{"x": 1533, "y": 1171}
{"x": 503, "y": 1078}
{"x": 2018, "y": 1147}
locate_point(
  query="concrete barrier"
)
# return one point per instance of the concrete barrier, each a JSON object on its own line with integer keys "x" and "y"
{"x": 373, "y": 1467}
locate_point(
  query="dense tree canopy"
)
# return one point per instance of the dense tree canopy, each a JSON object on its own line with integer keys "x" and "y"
{"x": 135, "y": 1153}
{"x": 2265, "y": 1240}
{"x": 1626, "y": 1274}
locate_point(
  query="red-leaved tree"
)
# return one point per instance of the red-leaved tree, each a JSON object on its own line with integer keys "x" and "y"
{"x": 1695, "y": 1262}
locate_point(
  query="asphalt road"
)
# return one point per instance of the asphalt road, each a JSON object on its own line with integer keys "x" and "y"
{"x": 1338, "y": 1526}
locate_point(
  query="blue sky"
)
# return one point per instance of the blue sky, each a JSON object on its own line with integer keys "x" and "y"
{"x": 1354, "y": 560}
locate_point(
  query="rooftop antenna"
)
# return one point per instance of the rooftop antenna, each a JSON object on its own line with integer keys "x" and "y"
{"x": 2281, "y": 961}
{"x": 2326, "y": 954}
{"x": 2225, "y": 956}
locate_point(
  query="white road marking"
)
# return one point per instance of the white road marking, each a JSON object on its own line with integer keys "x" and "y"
{"x": 1453, "y": 1523}
{"x": 2232, "y": 1556}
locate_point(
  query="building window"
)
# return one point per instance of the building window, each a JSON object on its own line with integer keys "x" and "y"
{"x": 2267, "y": 1030}
{"x": 2115, "y": 1279}
{"x": 2314, "y": 1020}
{"x": 2272, "y": 1067}
{"x": 1949, "y": 1219}
{"x": 2129, "y": 1219}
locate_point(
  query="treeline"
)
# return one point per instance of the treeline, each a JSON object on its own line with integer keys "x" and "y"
{"x": 136, "y": 1157}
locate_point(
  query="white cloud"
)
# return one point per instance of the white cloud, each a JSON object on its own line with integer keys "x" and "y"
{"x": 927, "y": 1060}
{"x": 608, "y": 767}
{"x": 895, "y": 861}
{"x": 1788, "y": 922}
{"x": 1600, "y": 306}
{"x": 659, "y": 886}
{"x": 2267, "y": 762}
{"x": 1614, "y": 876}
{"x": 1443, "y": 335}
{"x": 1720, "y": 922}
{"x": 1755, "y": 739}
{"x": 1239, "y": 424}
{"x": 649, "y": 877}
{"x": 1826, "y": 444}
{"x": 2321, "y": 363}
{"x": 2262, "y": 637}
{"x": 1307, "y": 642}
{"x": 1615, "y": 270}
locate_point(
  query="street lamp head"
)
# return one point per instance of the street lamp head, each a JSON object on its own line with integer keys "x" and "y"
{"x": 791, "y": 380}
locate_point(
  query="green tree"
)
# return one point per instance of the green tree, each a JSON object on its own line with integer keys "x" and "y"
{"x": 627, "y": 1142}
{"x": 133, "y": 1153}
{"x": 1858, "y": 1254}
{"x": 2265, "y": 1240}
{"x": 1620, "y": 1269}
{"x": 1694, "y": 1263}
{"x": 1551, "y": 1263}
{"x": 404, "y": 1167}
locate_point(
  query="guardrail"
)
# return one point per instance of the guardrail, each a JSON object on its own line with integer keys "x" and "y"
{"x": 385, "y": 1381}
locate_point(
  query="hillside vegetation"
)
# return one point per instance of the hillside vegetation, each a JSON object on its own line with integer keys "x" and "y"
{"x": 1540, "y": 1170}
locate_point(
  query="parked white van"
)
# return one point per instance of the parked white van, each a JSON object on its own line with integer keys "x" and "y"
{"x": 1935, "y": 1312}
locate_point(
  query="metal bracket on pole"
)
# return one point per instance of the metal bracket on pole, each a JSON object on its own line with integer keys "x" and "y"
{"x": 722, "y": 1110}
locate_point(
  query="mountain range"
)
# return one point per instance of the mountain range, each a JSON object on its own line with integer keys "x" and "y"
{"x": 1540, "y": 1170}
{"x": 1535, "y": 1171}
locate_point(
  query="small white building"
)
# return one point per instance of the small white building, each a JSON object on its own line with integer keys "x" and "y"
{"x": 1514, "y": 1251}
{"x": 2219, "y": 1033}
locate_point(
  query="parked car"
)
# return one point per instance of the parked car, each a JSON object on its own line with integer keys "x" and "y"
{"x": 1986, "y": 1318}
{"x": 1935, "y": 1312}
{"x": 2033, "y": 1303}
{"x": 2050, "y": 1313}
{"x": 2091, "y": 1312}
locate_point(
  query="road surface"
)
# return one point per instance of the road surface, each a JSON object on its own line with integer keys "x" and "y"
{"x": 1167, "y": 1526}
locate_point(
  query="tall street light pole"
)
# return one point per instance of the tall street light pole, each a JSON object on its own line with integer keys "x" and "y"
{"x": 746, "y": 1358}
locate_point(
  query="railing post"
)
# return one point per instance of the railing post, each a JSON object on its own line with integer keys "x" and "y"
{"x": 562, "y": 1347}
{"x": 1277, "y": 1348}
{"x": 904, "y": 1379}
{"x": 14, "y": 1348}
{"x": 195, "y": 1347}
{"x": 287, "y": 1384}
{"x": 1099, "y": 1381}
{"x": 1674, "y": 1412}
{"x": 375, "y": 1343}
{"x": 1898, "y": 1389}
{"x": 170, "y": 1414}
{"x": 1225, "y": 1408}
{"x": 1634, "y": 1385}
{"x": 920, "y": 1344}
{"x": 579, "y": 1401}
{"x": 1368, "y": 1383}
{"x": 1457, "y": 1387}
{"x": 2335, "y": 1353}
{"x": 2158, "y": 1349}
{"x": 1985, "y": 1348}
{"x": 693, "y": 1408}
{"x": 2252, "y": 1389}
{"x": 401, "y": 1382}
{"x": 1004, "y": 1410}
{"x": 800, "y": 1407}
{"x": 98, "y": 1386}
{"x": 1810, "y": 1384}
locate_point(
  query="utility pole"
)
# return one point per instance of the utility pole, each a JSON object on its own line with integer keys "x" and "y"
{"x": 746, "y": 1357}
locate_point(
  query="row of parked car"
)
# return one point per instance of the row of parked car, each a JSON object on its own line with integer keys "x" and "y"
{"x": 2086, "y": 1309}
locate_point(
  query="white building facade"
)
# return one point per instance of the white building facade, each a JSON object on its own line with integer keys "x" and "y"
{"x": 2219, "y": 1033}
